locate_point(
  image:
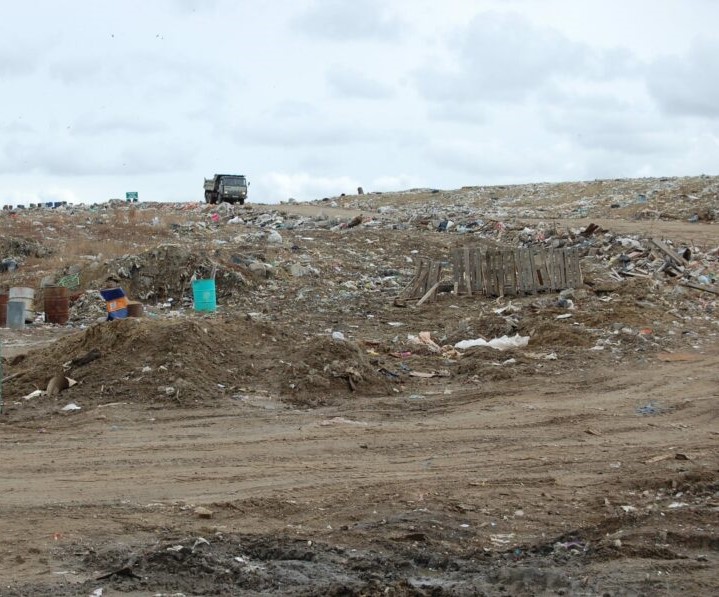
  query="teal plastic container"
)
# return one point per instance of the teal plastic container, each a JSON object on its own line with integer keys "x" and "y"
{"x": 203, "y": 292}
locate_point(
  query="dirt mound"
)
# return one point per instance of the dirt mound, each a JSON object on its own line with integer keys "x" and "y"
{"x": 191, "y": 361}
{"x": 326, "y": 370}
{"x": 182, "y": 361}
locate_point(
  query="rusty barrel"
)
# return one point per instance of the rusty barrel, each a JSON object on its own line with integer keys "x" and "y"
{"x": 3, "y": 309}
{"x": 134, "y": 309}
{"x": 57, "y": 304}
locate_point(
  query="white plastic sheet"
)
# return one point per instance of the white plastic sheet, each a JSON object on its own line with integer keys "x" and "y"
{"x": 503, "y": 343}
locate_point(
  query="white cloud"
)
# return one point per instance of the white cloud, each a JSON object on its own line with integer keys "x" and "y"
{"x": 395, "y": 183}
{"x": 339, "y": 20}
{"x": 277, "y": 186}
{"x": 351, "y": 83}
{"x": 506, "y": 58}
{"x": 194, "y": 6}
{"x": 301, "y": 134}
{"x": 19, "y": 58}
{"x": 95, "y": 124}
{"x": 68, "y": 157}
{"x": 687, "y": 85}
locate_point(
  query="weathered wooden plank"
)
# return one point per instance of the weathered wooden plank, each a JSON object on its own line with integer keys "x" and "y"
{"x": 510, "y": 273}
{"x": 457, "y": 270}
{"x": 500, "y": 273}
{"x": 553, "y": 266}
{"x": 428, "y": 294}
{"x": 477, "y": 269}
{"x": 578, "y": 267}
{"x": 704, "y": 287}
{"x": 407, "y": 291}
{"x": 538, "y": 260}
{"x": 533, "y": 267}
{"x": 489, "y": 279}
{"x": 572, "y": 273}
{"x": 547, "y": 284}
{"x": 431, "y": 277}
{"x": 519, "y": 261}
{"x": 558, "y": 270}
{"x": 467, "y": 272}
{"x": 667, "y": 251}
{"x": 482, "y": 266}
{"x": 527, "y": 281}
{"x": 421, "y": 280}
{"x": 440, "y": 267}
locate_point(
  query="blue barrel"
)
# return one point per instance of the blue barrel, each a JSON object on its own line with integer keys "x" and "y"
{"x": 203, "y": 292}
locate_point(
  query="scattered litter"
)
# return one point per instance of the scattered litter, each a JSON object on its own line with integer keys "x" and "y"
{"x": 503, "y": 343}
{"x": 430, "y": 374}
{"x": 340, "y": 421}
{"x": 658, "y": 458}
{"x": 649, "y": 409}
{"x": 425, "y": 338}
{"x": 202, "y": 512}
{"x": 71, "y": 407}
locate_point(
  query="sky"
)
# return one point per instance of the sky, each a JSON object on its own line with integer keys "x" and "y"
{"x": 313, "y": 98}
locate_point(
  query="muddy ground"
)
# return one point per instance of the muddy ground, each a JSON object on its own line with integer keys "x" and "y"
{"x": 250, "y": 452}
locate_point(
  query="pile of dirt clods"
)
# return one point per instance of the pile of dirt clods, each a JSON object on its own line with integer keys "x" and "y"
{"x": 185, "y": 361}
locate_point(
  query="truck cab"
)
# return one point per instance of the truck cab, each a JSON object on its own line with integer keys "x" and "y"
{"x": 228, "y": 188}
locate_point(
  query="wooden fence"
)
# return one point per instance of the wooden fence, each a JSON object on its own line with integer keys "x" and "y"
{"x": 504, "y": 271}
{"x": 425, "y": 282}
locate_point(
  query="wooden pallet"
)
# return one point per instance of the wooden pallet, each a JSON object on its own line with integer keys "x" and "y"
{"x": 505, "y": 271}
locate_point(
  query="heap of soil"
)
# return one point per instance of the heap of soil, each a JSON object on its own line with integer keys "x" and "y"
{"x": 189, "y": 361}
{"x": 177, "y": 361}
{"x": 325, "y": 370}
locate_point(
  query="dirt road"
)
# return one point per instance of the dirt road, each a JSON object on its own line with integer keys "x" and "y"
{"x": 506, "y": 466}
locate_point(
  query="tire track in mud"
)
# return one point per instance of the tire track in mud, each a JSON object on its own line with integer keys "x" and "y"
{"x": 474, "y": 458}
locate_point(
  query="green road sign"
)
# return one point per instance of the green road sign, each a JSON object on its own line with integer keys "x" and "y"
{"x": 131, "y": 196}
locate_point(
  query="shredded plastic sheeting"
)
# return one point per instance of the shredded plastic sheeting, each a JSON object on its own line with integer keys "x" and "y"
{"x": 503, "y": 343}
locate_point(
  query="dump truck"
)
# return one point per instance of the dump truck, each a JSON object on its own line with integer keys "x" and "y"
{"x": 227, "y": 188}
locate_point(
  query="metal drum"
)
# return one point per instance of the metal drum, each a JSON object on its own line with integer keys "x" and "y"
{"x": 57, "y": 304}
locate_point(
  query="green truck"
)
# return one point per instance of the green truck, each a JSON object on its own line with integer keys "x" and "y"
{"x": 227, "y": 188}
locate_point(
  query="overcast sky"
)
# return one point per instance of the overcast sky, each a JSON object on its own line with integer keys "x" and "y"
{"x": 311, "y": 98}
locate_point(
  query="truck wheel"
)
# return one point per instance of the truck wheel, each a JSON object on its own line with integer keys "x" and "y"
{"x": 242, "y": 201}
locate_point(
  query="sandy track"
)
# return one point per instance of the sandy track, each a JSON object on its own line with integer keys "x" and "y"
{"x": 553, "y": 450}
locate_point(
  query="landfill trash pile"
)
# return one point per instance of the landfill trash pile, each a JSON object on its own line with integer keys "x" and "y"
{"x": 305, "y": 415}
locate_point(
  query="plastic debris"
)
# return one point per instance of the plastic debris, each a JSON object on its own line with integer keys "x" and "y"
{"x": 503, "y": 343}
